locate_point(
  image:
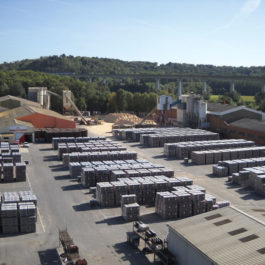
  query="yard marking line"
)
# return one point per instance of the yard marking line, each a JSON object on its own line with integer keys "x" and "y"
{"x": 41, "y": 220}
{"x": 37, "y": 207}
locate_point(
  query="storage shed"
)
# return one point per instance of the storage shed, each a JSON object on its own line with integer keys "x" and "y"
{"x": 224, "y": 236}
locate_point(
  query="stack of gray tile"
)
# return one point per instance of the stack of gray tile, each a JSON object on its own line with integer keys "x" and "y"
{"x": 198, "y": 202}
{"x": 166, "y": 205}
{"x": 117, "y": 174}
{"x": 10, "y": 197}
{"x": 27, "y": 217}
{"x": 88, "y": 177}
{"x": 120, "y": 188}
{"x": 9, "y": 218}
{"x": 8, "y": 172}
{"x": 234, "y": 166}
{"x": 220, "y": 171}
{"x": 199, "y": 157}
{"x": 134, "y": 187}
{"x": 184, "y": 203}
{"x": 16, "y": 157}
{"x": 75, "y": 169}
{"x": 131, "y": 212}
{"x": 28, "y": 196}
{"x": 148, "y": 191}
{"x": 105, "y": 194}
{"x": 20, "y": 171}
{"x": 184, "y": 149}
{"x": 129, "y": 208}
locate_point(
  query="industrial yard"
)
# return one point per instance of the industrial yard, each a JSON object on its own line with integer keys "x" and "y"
{"x": 64, "y": 203}
{"x": 76, "y": 193}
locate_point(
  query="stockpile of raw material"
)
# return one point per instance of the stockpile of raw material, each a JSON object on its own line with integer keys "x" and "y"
{"x": 125, "y": 118}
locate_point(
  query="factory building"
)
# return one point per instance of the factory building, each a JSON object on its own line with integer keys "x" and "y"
{"x": 224, "y": 236}
{"x": 19, "y": 118}
{"x": 237, "y": 122}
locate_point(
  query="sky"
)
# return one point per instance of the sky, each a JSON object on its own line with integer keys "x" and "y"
{"x": 218, "y": 32}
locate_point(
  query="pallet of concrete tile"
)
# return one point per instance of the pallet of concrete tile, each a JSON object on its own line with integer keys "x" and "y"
{"x": 185, "y": 181}
{"x": 116, "y": 174}
{"x": 131, "y": 212}
{"x": 16, "y": 157}
{"x": 102, "y": 174}
{"x": 198, "y": 157}
{"x": 220, "y": 171}
{"x": 75, "y": 169}
{"x": 88, "y": 177}
{"x": 184, "y": 203}
{"x": 134, "y": 187}
{"x": 20, "y": 171}
{"x": 28, "y": 197}
{"x": 8, "y": 172}
{"x": 210, "y": 200}
{"x": 166, "y": 205}
{"x": 105, "y": 194}
{"x": 10, "y": 197}
{"x": 128, "y": 199}
{"x": 9, "y": 218}
{"x": 27, "y": 217}
{"x": 196, "y": 188}
{"x": 120, "y": 188}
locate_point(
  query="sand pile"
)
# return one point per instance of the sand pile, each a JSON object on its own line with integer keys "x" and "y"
{"x": 125, "y": 118}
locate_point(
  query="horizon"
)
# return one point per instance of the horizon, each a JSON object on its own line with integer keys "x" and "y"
{"x": 209, "y": 32}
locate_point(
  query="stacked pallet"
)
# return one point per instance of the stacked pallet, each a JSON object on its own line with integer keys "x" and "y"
{"x": 115, "y": 170}
{"x": 166, "y": 205}
{"x": 120, "y": 189}
{"x": 251, "y": 177}
{"x": 129, "y": 208}
{"x": 9, "y": 218}
{"x": 199, "y": 157}
{"x": 27, "y": 217}
{"x": 98, "y": 156}
{"x": 144, "y": 188}
{"x": 27, "y": 196}
{"x": 154, "y": 137}
{"x": 8, "y": 172}
{"x": 105, "y": 194}
{"x": 234, "y": 166}
{"x": 184, "y": 149}
{"x": 57, "y": 140}
{"x": 88, "y": 177}
{"x": 20, "y": 171}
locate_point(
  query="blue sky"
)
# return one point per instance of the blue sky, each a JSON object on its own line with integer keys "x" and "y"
{"x": 219, "y": 32}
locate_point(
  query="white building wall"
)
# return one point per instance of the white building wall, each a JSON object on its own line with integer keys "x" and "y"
{"x": 162, "y": 100}
{"x": 185, "y": 253}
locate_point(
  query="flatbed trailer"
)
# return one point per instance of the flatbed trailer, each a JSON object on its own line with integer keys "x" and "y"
{"x": 152, "y": 244}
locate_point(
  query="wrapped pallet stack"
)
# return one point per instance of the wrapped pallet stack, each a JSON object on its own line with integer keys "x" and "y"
{"x": 105, "y": 194}
{"x": 129, "y": 208}
{"x": 27, "y": 217}
{"x": 9, "y": 218}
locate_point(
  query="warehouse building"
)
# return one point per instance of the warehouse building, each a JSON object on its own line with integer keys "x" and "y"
{"x": 11, "y": 102}
{"x": 19, "y": 123}
{"x": 237, "y": 122}
{"x": 224, "y": 236}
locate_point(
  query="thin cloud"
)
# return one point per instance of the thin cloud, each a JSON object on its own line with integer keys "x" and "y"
{"x": 249, "y": 7}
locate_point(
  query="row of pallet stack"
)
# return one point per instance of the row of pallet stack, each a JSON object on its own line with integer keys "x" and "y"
{"x": 18, "y": 212}
{"x": 157, "y": 137}
{"x": 227, "y": 168}
{"x": 94, "y": 173}
{"x": 184, "y": 149}
{"x": 109, "y": 194}
{"x": 92, "y": 146}
{"x": 98, "y": 156}
{"x": 10, "y": 172}
{"x": 57, "y": 140}
{"x": 9, "y": 153}
{"x": 253, "y": 178}
{"x": 214, "y": 156}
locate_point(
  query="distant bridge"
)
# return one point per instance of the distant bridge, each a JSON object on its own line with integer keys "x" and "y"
{"x": 178, "y": 77}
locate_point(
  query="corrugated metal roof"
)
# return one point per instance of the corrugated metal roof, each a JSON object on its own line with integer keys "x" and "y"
{"x": 49, "y": 113}
{"x": 250, "y": 124}
{"x": 216, "y": 242}
{"x": 22, "y": 100}
{"x": 218, "y": 107}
